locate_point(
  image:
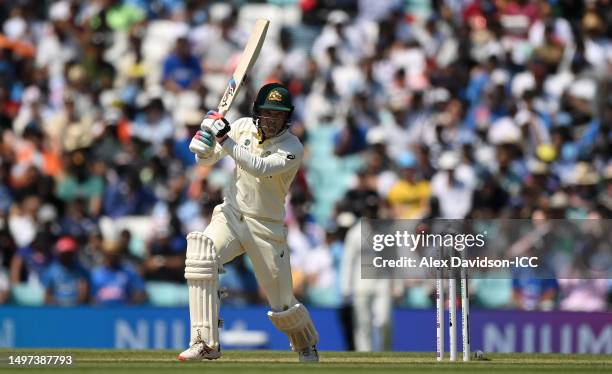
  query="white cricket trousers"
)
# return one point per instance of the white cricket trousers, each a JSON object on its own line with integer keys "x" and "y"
{"x": 265, "y": 242}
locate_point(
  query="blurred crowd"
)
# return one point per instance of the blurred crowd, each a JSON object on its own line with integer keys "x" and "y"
{"x": 407, "y": 109}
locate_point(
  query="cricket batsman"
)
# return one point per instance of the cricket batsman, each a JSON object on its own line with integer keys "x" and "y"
{"x": 250, "y": 220}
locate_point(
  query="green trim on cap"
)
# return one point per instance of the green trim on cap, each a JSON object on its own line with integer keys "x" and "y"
{"x": 275, "y": 107}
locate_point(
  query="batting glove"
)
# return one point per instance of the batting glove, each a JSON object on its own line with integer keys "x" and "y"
{"x": 202, "y": 143}
{"x": 217, "y": 124}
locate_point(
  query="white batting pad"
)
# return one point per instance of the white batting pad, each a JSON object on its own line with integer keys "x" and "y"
{"x": 202, "y": 274}
{"x": 296, "y": 323}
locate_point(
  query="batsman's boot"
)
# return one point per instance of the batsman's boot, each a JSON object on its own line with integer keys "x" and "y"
{"x": 309, "y": 354}
{"x": 199, "y": 352}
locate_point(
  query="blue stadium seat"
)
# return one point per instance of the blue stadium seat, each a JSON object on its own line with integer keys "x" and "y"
{"x": 167, "y": 294}
{"x": 493, "y": 292}
{"x": 328, "y": 175}
{"x": 418, "y": 297}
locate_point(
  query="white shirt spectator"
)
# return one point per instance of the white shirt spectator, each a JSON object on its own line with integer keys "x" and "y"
{"x": 271, "y": 56}
{"x": 319, "y": 106}
{"x": 300, "y": 242}
{"x": 455, "y": 199}
{"x": 15, "y": 27}
{"x": 51, "y": 53}
{"x": 562, "y": 30}
{"x": 397, "y": 138}
{"x": 320, "y": 264}
{"x": 555, "y": 85}
{"x": 413, "y": 60}
{"x": 154, "y": 132}
{"x": 349, "y": 49}
{"x": 598, "y": 52}
{"x": 536, "y": 130}
{"x": 347, "y": 80}
{"x": 504, "y": 130}
{"x": 22, "y": 228}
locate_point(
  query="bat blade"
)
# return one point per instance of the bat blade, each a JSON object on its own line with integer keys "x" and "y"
{"x": 247, "y": 60}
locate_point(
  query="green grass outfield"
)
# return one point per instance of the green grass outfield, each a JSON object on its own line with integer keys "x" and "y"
{"x": 270, "y": 362}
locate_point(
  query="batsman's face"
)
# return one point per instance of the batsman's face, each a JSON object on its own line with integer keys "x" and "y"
{"x": 272, "y": 122}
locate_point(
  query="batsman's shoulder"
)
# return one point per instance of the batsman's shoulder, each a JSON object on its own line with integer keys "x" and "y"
{"x": 242, "y": 125}
{"x": 293, "y": 147}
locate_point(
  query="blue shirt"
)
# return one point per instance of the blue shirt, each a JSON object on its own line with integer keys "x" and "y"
{"x": 182, "y": 71}
{"x": 115, "y": 286}
{"x": 119, "y": 201}
{"x": 64, "y": 282}
{"x": 35, "y": 262}
{"x": 357, "y": 142}
{"x": 532, "y": 289}
{"x": 182, "y": 152}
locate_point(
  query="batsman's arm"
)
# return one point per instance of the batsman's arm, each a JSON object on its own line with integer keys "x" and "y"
{"x": 276, "y": 163}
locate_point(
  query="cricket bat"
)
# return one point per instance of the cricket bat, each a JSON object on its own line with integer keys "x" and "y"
{"x": 246, "y": 62}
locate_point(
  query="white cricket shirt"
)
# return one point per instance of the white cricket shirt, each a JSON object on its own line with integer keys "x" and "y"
{"x": 263, "y": 172}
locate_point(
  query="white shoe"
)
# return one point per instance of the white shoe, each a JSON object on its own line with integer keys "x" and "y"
{"x": 309, "y": 354}
{"x": 198, "y": 352}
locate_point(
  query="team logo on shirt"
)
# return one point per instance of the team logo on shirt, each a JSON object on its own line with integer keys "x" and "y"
{"x": 274, "y": 95}
{"x": 291, "y": 156}
{"x": 266, "y": 154}
{"x": 247, "y": 142}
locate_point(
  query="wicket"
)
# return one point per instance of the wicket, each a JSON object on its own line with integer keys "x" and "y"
{"x": 452, "y": 314}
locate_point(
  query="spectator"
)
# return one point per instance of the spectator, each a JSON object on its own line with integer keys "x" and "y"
{"x": 409, "y": 197}
{"x": 227, "y": 37}
{"x": 126, "y": 244}
{"x": 359, "y": 196}
{"x": 77, "y": 222}
{"x": 128, "y": 197}
{"x": 182, "y": 70}
{"x": 534, "y": 294}
{"x": 351, "y": 139}
{"x": 108, "y": 145}
{"x": 322, "y": 275}
{"x": 337, "y": 33}
{"x": 453, "y": 187}
{"x": 81, "y": 182}
{"x": 29, "y": 262}
{"x": 115, "y": 282}
{"x": 165, "y": 258}
{"x": 23, "y": 220}
{"x": 91, "y": 254}
{"x": 65, "y": 281}
{"x": 153, "y": 126}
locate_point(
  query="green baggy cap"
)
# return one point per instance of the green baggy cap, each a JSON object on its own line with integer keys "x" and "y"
{"x": 274, "y": 96}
